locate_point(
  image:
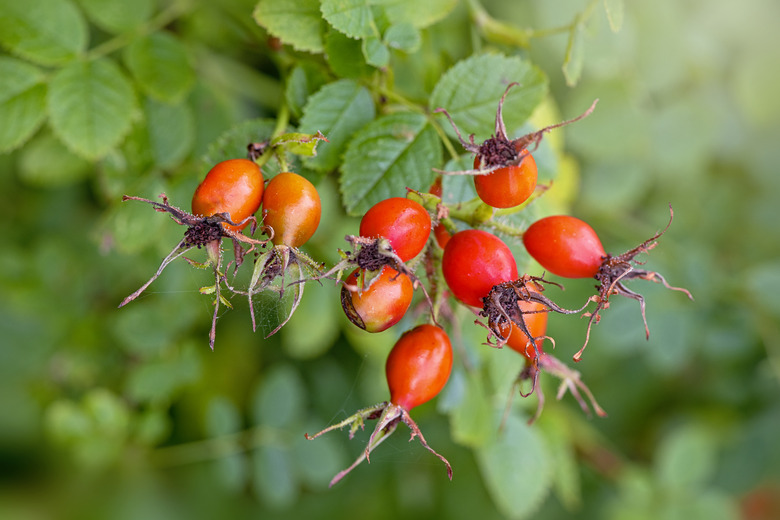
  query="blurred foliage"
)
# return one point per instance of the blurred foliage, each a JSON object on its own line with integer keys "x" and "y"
{"x": 127, "y": 414}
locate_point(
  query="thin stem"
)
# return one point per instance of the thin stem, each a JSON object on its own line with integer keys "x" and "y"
{"x": 216, "y": 447}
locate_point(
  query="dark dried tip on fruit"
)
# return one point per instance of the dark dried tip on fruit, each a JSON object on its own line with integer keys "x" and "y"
{"x": 273, "y": 269}
{"x": 371, "y": 258}
{"x": 614, "y": 271}
{"x": 501, "y": 305}
{"x": 255, "y": 150}
{"x": 497, "y": 151}
{"x": 349, "y": 308}
{"x": 201, "y": 233}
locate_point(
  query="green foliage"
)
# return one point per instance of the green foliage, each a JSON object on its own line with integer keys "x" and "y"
{"x": 390, "y": 153}
{"x": 469, "y": 92}
{"x": 47, "y": 32}
{"x": 21, "y": 102}
{"x": 338, "y": 110}
{"x": 91, "y": 106}
{"x": 113, "y": 412}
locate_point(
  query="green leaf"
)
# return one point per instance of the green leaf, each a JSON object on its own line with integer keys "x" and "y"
{"x": 91, "y": 105}
{"x": 375, "y": 52}
{"x": 314, "y": 327}
{"x": 158, "y": 381}
{"x": 470, "y": 92}
{"x": 304, "y": 79}
{"x": 222, "y": 417}
{"x": 297, "y": 23}
{"x": 233, "y": 142}
{"x": 559, "y": 432}
{"x": 49, "y": 32}
{"x": 762, "y": 284}
{"x": 160, "y": 65}
{"x": 403, "y": 36}
{"x": 516, "y": 469}
{"x": 389, "y": 154}
{"x": 337, "y": 110}
{"x": 66, "y": 422}
{"x": 279, "y": 398}
{"x": 171, "y": 131}
{"x": 687, "y": 458}
{"x": 574, "y": 58}
{"x": 22, "y": 102}
{"x": 46, "y": 162}
{"x": 118, "y": 16}
{"x": 614, "y": 9}
{"x": 275, "y": 482}
{"x": 299, "y": 143}
{"x": 419, "y": 14}
{"x": 345, "y": 56}
{"x": 109, "y": 413}
{"x": 316, "y": 462}
{"x": 470, "y": 419}
{"x": 351, "y": 17}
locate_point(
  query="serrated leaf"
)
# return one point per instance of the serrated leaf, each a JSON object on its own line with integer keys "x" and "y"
{"x": 297, "y": 23}
{"x": 304, "y": 79}
{"x": 573, "y": 60}
{"x": 299, "y": 143}
{"x": 233, "y": 142}
{"x": 376, "y": 52}
{"x": 419, "y": 14}
{"x": 351, "y": 17}
{"x": 345, "y": 56}
{"x": 470, "y": 92}
{"x": 22, "y": 102}
{"x": 615, "y": 13}
{"x": 49, "y": 32}
{"x": 171, "y": 130}
{"x": 389, "y": 154}
{"x": 160, "y": 65}
{"x": 280, "y": 398}
{"x": 337, "y": 110}
{"x": 118, "y": 16}
{"x": 403, "y": 36}
{"x": 516, "y": 469}
{"x": 46, "y": 162}
{"x": 91, "y": 105}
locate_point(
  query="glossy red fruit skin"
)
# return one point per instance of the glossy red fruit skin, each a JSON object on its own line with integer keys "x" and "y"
{"x": 403, "y": 222}
{"x": 509, "y": 186}
{"x": 565, "y": 246}
{"x": 384, "y": 303}
{"x": 473, "y": 262}
{"x": 536, "y": 323}
{"x": 292, "y": 208}
{"x": 418, "y": 366}
{"x": 235, "y": 187}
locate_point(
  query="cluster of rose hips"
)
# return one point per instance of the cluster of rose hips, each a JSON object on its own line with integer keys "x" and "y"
{"x": 394, "y": 239}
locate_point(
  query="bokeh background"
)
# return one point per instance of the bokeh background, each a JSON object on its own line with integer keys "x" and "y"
{"x": 108, "y": 413}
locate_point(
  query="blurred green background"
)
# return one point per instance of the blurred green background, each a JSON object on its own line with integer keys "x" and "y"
{"x": 108, "y": 413}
